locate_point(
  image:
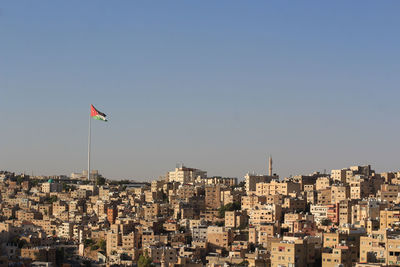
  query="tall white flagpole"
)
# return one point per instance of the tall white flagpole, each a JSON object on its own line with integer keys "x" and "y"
{"x": 88, "y": 175}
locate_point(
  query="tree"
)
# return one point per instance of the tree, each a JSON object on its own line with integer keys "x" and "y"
{"x": 100, "y": 180}
{"x": 60, "y": 256}
{"x": 102, "y": 244}
{"x": 88, "y": 242}
{"x": 252, "y": 247}
{"x": 164, "y": 196}
{"x": 244, "y": 263}
{"x": 67, "y": 187}
{"x": 94, "y": 247}
{"x": 224, "y": 252}
{"x": 20, "y": 179}
{"x": 240, "y": 185}
{"x": 229, "y": 207}
{"x": 18, "y": 242}
{"x": 144, "y": 261}
{"x": 220, "y": 223}
{"x": 52, "y": 199}
{"x": 325, "y": 222}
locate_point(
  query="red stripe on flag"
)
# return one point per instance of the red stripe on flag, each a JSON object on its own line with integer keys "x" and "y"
{"x": 93, "y": 111}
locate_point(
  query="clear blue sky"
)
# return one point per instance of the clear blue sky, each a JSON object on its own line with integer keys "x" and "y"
{"x": 217, "y": 85}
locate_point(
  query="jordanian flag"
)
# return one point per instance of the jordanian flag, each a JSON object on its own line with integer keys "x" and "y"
{"x": 97, "y": 115}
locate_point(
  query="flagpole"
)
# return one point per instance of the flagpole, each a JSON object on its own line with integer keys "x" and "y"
{"x": 88, "y": 175}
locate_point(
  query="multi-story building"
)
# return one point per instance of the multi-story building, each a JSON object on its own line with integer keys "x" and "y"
{"x": 185, "y": 175}
{"x": 339, "y": 175}
{"x": 250, "y": 202}
{"x": 292, "y": 253}
{"x": 275, "y": 187}
{"x": 51, "y": 186}
{"x": 112, "y": 214}
{"x": 345, "y": 211}
{"x": 235, "y": 219}
{"x": 41, "y": 254}
{"x": 252, "y": 180}
{"x": 389, "y": 192}
{"x": 163, "y": 255}
{"x": 389, "y": 218}
{"x": 213, "y": 197}
{"x": 320, "y": 212}
{"x": 340, "y": 255}
{"x": 339, "y": 192}
{"x": 219, "y": 238}
{"x": 66, "y": 230}
{"x": 324, "y": 196}
{"x": 380, "y": 247}
{"x": 322, "y": 183}
{"x": 268, "y": 213}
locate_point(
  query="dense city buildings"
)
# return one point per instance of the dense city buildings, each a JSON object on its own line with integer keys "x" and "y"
{"x": 348, "y": 217}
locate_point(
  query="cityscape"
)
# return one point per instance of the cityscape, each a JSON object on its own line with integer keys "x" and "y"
{"x": 348, "y": 217}
{"x": 199, "y": 133}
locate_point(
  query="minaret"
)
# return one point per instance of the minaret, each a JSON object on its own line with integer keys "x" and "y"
{"x": 270, "y": 166}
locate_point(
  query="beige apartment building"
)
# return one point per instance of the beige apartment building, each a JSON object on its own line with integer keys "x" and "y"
{"x": 389, "y": 192}
{"x": 380, "y": 247}
{"x": 293, "y": 204}
{"x": 219, "y": 180}
{"x": 262, "y": 214}
{"x": 365, "y": 210}
{"x": 235, "y": 219}
{"x": 312, "y": 197}
{"x": 345, "y": 211}
{"x": 340, "y": 237}
{"x": 359, "y": 187}
{"x": 339, "y": 175}
{"x": 229, "y": 196}
{"x": 292, "y": 253}
{"x": 31, "y": 215}
{"x": 388, "y": 176}
{"x": 185, "y": 175}
{"x": 43, "y": 254}
{"x": 277, "y": 188}
{"x": 213, "y": 197}
{"x": 263, "y": 233}
{"x": 113, "y": 239}
{"x": 219, "y": 237}
{"x": 341, "y": 255}
{"x": 320, "y": 212}
{"x": 251, "y": 201}
{"x": 324, "y": 196}
{"x": 389, "y": 218}
{"x": 339, "y": 193}
{"x": 164, "y": 255}
{"x": 186, "y": 191}
{"x": 252, "y": 180}
{"x": 66, "y": 230}
{"x": 59, "y": 207}
{"x": 51, "y": 186}
{"x": 322, "y": 183}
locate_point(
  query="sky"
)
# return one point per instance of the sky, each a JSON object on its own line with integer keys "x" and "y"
{"x": 216, "y": 85}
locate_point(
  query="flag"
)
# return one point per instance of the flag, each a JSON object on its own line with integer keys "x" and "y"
{"x": 97, "y": 115}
